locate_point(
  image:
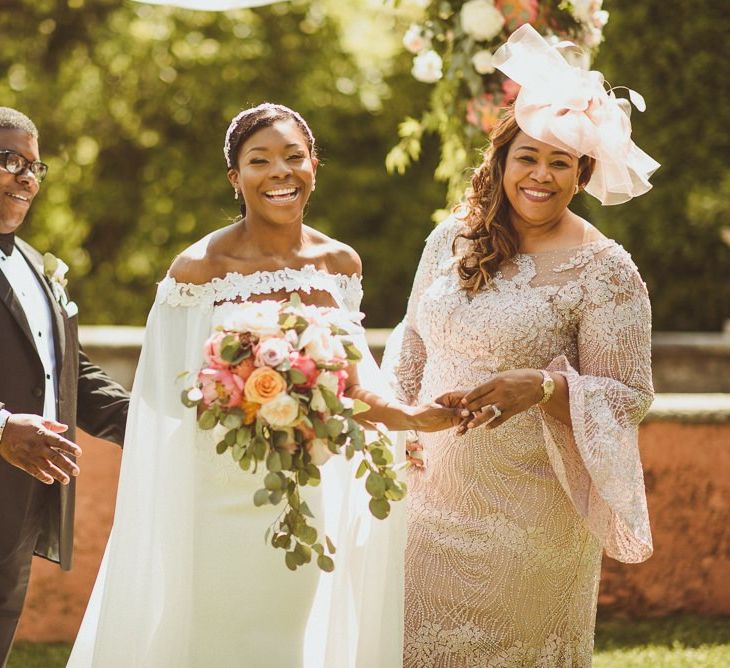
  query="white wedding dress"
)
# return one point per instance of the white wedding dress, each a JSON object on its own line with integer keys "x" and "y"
{"x": 187, "y": 580}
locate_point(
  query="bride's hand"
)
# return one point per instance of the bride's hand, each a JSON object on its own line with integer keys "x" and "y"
{"x": 433, "y": 417}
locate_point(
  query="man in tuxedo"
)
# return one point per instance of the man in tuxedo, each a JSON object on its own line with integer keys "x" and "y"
{"x": 47, "y": 386}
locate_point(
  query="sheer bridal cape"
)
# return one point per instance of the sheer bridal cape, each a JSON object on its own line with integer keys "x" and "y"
{"x": 187, "y": 580}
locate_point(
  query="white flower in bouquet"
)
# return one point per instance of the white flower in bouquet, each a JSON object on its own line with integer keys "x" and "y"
{"x": 281, "y": 411}
{"x": 321, "y": 345}
{"x": 600, "y": 18}
{"x": 415, "y": 40}
{"x": 483, "y": 61}
{"x": 584, "y": 11}
{"x": 481, "y": 20}
{"x": 328, "y": 381}
{"x": 260, "y": 319}
{"x": 272, "y": 352}
{"x": 593, "y": 37}
{"x": 427, "y": 67}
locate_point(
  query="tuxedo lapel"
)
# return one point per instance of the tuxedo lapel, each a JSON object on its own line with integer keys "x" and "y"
{"x": 7, "y": 296}
{"x": 59, "y": 322}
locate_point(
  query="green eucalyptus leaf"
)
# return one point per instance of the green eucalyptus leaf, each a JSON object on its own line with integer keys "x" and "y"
{"x": 375, "y": 485}
{"x": 233, "y": 418}
{"x": 380, "y": 508}
{"x": 261, "y": 498}
{"x": 286, "y": 460}
{"x": 361, "y": 469}
{"x": 334, "y": 427}
{"x": 291, "y": 561}
{"x": 358, "y": 407}
{"x": 325, "y": 563}
{"x": 273, "y": 462}
{"x": 330, "y": 545}
{"x": 309, "y": 535}
{"x": 272, "y": 482}
{"x": 207, "y": 420}
{"x": 297, "y": 377}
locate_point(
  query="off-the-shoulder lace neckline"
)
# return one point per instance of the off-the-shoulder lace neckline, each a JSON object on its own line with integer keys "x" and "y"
{"x": 284, "y": 271}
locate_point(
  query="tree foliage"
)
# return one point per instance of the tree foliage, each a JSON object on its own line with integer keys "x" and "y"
{"x": 132, "y": 102}
{"x": 679, "y": 232}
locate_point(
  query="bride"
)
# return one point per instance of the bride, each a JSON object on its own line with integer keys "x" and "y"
{"x": 187, "y": 579}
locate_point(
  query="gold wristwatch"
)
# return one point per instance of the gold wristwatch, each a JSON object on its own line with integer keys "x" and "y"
{"x": 548, "y": 387}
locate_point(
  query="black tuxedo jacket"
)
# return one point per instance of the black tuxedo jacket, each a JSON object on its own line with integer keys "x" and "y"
{"x": 85, "y": 396}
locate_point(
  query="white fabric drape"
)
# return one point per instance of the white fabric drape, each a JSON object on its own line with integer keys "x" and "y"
{"x": 182, "y": 585}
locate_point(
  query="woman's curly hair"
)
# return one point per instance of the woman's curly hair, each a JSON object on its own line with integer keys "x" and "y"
{"x": 492, "y": 237}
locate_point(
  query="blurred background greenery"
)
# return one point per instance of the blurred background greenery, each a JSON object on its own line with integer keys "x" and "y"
{"x": 132, "y": 102}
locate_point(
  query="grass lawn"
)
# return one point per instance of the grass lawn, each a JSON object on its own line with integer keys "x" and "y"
{"x": 671, "y": 642}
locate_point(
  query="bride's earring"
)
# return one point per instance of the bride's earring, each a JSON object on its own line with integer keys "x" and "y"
{"x": 314, "y": 187}
{"x": 235, "y": 193}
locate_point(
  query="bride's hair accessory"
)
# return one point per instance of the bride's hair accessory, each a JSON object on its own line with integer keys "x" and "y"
{"x": 572, "y": 109}
{"x": 254, "y": 119}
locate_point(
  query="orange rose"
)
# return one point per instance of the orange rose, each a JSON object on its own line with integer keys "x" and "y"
{"x": 263, "y": 385}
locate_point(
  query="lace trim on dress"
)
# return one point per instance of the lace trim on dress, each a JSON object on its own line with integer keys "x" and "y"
{"x": 233, "y": 286}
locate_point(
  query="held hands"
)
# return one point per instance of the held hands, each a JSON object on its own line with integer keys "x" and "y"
{"x": 35, "y": 445}
{"x": 432, "y": 417}
{"x": 503, "y": 396}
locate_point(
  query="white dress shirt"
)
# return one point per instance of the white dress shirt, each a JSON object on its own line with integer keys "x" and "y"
{"x": 34, "y": 302}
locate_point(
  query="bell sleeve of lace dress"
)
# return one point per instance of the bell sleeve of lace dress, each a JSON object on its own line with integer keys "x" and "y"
{"x": 405, "y": 354}
{"x": 597, "y": 461}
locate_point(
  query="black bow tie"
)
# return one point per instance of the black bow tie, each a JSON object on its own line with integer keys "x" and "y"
{"x": 7, "y": 243}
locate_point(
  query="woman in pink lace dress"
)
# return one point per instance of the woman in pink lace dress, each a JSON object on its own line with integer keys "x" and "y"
{"x": 540, "y": 328}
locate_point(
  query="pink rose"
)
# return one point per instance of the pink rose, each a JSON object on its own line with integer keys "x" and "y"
{"x": 341, "y": 381}
{"x": 307, "y": 366}
{"x": 213, "y": 351}
{"x": 220, "y": 385}
{"x": 272, "y": 352}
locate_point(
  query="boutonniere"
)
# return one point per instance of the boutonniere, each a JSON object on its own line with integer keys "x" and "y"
{"x": 55, "y": 272}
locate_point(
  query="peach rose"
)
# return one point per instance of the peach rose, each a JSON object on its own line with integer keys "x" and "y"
{"x": 263, "y": 385}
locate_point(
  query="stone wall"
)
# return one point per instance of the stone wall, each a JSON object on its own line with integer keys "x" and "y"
{"x": 685, "y": 449}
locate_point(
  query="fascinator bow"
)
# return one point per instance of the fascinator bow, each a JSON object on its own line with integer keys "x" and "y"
{"x": 571, "y": 109}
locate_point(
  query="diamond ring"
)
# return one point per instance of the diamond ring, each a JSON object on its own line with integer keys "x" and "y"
{"x": 495, "y": 410}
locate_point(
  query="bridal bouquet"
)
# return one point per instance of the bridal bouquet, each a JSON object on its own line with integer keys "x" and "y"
{"x": 272, "y": 386}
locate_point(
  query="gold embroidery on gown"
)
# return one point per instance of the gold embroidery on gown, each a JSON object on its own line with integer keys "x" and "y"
{"x": 506, "y": 526}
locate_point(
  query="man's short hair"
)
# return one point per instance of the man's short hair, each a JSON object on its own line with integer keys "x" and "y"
{"x": 12, "y": 119}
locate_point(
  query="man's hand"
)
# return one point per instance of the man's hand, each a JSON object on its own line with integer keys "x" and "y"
{"x": 35, "y": 445}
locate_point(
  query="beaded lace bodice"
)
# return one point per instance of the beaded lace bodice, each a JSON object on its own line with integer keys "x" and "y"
{"x": 345, "y": 290}
{"x": 502, "y": 520}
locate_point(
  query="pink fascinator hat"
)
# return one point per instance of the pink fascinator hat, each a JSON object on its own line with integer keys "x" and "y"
{"x": 571, "y": 109}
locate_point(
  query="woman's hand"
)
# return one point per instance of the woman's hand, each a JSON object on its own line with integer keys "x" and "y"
{"x": 432, "y": 417}
{"x": 503, "y": 396}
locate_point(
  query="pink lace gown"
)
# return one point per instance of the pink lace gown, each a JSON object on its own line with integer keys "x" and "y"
{"x": 507, "y": 526}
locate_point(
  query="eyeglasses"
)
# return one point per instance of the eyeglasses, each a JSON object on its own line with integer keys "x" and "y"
{"x": 17, "y": 164}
